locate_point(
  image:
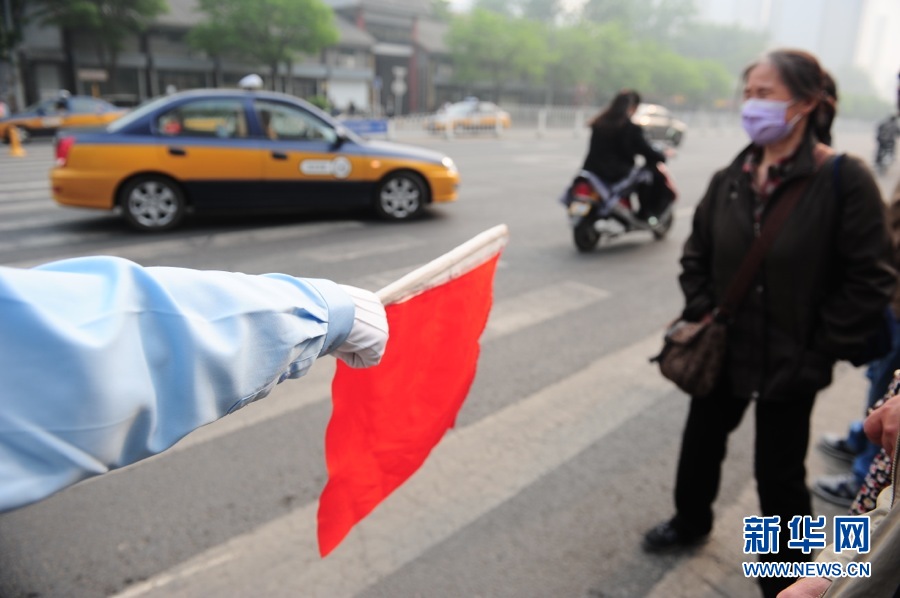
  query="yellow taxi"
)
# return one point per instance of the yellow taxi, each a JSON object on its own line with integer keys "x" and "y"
{"x": 470, "y": 115}
{"x": 241, "y": 151}
{"x": 49, "y": 116}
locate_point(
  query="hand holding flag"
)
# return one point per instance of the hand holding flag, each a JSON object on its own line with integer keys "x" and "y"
{"x": 386, "y": 419}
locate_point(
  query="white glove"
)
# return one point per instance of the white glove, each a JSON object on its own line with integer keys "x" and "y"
{"x": 365, "y": 344}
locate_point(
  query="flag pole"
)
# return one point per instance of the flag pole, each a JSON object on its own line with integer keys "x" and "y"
{"x": 448, "y": 266}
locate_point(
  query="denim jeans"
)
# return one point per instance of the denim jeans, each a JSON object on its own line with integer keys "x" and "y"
{"x": 880, "y": 373}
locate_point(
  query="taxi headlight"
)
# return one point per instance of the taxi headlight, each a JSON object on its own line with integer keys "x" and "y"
{"x": 448, "y": 164}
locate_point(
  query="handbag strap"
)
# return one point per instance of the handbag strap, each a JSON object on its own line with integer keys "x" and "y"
{"x": 742, "y": 280}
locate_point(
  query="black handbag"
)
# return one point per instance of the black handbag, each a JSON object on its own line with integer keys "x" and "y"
{"x": 693, "y": 353}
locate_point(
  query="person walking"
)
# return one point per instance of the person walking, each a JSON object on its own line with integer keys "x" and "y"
{"x": 818, "y": 296}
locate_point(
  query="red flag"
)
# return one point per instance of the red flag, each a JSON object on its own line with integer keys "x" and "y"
{"x": 387, "y": 419}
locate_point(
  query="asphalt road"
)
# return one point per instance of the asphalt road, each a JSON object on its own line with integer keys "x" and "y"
{"x": 562, "y": 456}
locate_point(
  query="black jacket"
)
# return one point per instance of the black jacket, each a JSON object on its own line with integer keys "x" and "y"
{"x": 612, "y": 151}
{"x": 822, "y": 288}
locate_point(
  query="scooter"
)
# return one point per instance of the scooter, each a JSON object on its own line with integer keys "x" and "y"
{"x": 600, "y": 211}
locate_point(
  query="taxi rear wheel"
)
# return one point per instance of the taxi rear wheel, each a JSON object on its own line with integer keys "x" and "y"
{"x": 401, "y": 196}
{"x": 152, "y": 203}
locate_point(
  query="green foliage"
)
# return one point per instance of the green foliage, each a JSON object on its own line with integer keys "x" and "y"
{"x": 656, "y": 19}
{"x": 598, "y": 59}
{"x": 440, "y": 10}
{"x": 319, "y": 102}
{"x": 537, "y": 10}
{"x": 489, "y": 47}
{"x": 506, "y": 8}
{"x": 545, "y": 11}
{"x": 109, "y": 22}
{"x": 865, "y": 107}
{"x": 271, "y": 32}
{"x": 730, "y": 45}
{"x": 11, "y": 33}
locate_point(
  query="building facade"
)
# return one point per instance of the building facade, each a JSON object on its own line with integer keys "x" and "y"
{"x": 389, "y": 57}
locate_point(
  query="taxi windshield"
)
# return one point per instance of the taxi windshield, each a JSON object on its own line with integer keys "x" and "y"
{"x": 139, "y": 112}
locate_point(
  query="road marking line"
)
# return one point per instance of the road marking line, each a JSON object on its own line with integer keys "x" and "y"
{"x": 497, "y": 456}
{"x": 24, "y": 186}
{"x": 165, "y": 580}
{"x": 511, "y": 316}
{"x": 534, "y": 307}
{"x": 154, "y": 249}
{"x": 352, "y": 250}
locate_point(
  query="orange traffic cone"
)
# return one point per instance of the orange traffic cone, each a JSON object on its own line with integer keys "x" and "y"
{"x": 15, "y": 144}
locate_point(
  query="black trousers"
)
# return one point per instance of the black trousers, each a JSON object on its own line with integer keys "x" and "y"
{"x": 782, "y": 435}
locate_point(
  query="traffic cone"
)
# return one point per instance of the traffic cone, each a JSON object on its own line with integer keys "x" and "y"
{"x": 15, "y": 145}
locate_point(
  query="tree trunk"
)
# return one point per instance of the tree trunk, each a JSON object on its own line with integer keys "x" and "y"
{"x": 274, "y": 68}
{"x": 68, "y": 80}
{"x": 113, "y": 70}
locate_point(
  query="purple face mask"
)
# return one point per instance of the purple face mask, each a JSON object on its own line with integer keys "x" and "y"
{"x": 764, "y": 120}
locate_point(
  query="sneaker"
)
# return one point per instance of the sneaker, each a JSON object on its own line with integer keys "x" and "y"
{"x": 665, "y": 537}
{"x": 837, "y": 447}
{"x": 840, "y": 489}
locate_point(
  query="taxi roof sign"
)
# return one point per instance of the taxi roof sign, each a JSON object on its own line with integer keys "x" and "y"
{"x": 251, "y": 82}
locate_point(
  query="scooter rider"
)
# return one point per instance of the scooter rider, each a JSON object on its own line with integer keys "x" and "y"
{"x": 615, "y": 141}
{"x": 886, "y": 135}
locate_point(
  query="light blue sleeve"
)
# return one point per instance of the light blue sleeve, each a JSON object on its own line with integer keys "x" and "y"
{"x": 104, "y": 362}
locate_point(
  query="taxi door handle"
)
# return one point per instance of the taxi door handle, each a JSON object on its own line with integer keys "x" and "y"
{"x": 177, "y": 151}
{"x": 279, "y": 155}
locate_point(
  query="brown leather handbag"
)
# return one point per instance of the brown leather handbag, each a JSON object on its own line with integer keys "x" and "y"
{"x": 693, "y": 353}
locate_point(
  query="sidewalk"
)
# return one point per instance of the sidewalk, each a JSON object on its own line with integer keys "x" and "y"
{"x": 714, "y": 570}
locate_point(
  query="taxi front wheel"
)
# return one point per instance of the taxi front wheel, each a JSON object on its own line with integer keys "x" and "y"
{"x": 152, "y": 203}
{"x": 401, "y": 196}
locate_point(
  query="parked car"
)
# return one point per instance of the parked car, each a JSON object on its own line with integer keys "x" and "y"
{"x": 469, "y": 115}
{"x": 241, "y": 151}
{"x": 659, "y": 124}
{"x": 48, "y": 116}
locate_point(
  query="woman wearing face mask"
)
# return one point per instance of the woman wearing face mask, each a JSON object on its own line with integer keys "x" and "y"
{"x": 817, "y": 297}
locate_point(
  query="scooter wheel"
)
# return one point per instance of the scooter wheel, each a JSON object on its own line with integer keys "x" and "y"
{"x": 586, "y": 236}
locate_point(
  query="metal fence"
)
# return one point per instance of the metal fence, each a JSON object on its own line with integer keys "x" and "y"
{"x": 542, "y": 121}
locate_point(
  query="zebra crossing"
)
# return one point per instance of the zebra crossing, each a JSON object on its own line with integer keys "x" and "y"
{"x": 562, "y": 455}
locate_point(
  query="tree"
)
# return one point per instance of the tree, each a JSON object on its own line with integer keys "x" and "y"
{"x": 650, "y": 19}
{"x": 507, "y": 8}
{"x": 545, "y": 11}
{"x": 11, "y": 32}
{"x": 440, "y": 10}
{"x": 12, "y": 20}
{"x": 730, "y": 45}
{"x": 270, "y": 31}
{"x": 623, "y": 12}
{"x": 489, "y": 47}
{"x": 107, "y": 22}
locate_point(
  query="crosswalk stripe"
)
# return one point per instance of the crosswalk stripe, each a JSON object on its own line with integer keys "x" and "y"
{"x": 153, "y": 249}
{"x": 22, "y": 196}
{"x": 351, "y": 250}
{"x": 8, "y": 187}
{"x": 541, "y": 305}
{"x": 513, "y": 315}
{"x": 497, "y": 457}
